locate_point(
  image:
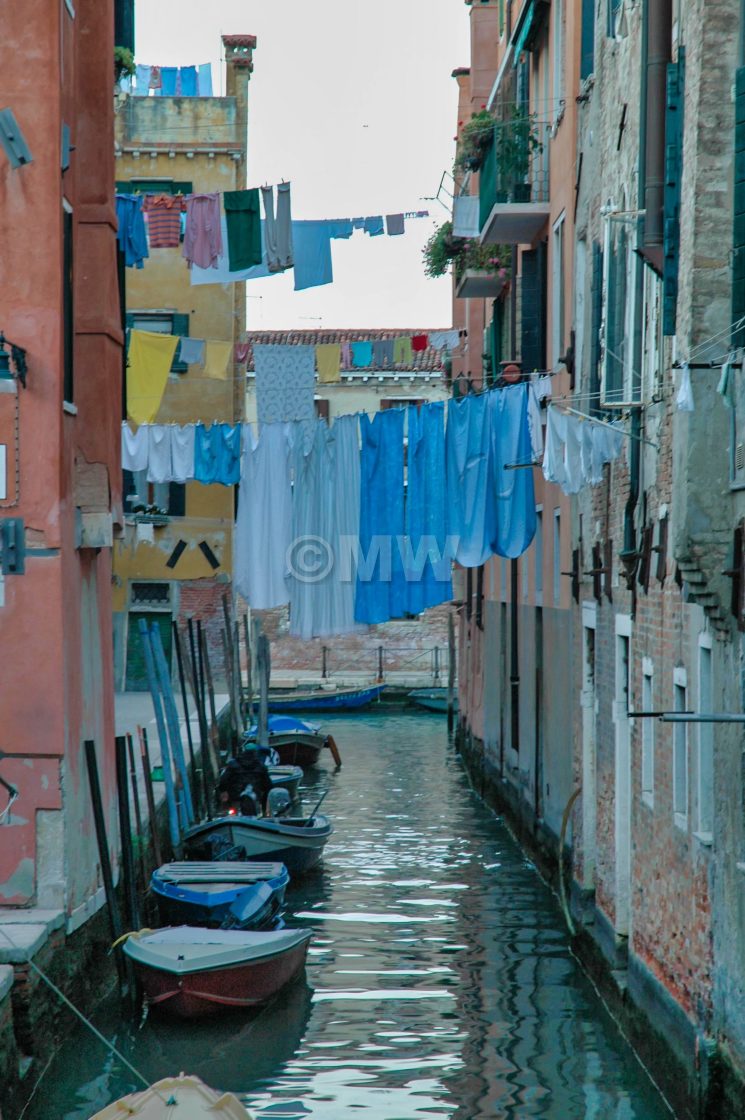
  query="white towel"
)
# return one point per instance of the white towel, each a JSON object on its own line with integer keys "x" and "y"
{"x": 182, "y": 452}
{"x": 134, "y": 448}
{"x": 159, "y": 453}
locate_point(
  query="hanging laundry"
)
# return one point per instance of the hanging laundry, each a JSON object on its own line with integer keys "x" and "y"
{"x": 344, "y": 536}
{"x": 164, "y": 219}
{"x": 466, "y": 216}
{"x": 444, "y": 340}
{"x": 243, "y": 217}
{"x": 188, "y": 75}
{"x": 381, "y": 586}
{"x": 312, "y": 248}
{"x": 726, "y": 384}
{"x": 134, "y": 447}
{"x": 471, "y": 520}
{"x": 131, "y": 229}
{"x": 207, "y": 453}
{"x": 374, "y": 226}
{"x": 278, "y": 229}
{"x": 346, "y": 355}
{"x": 285, "y": 381}
{"x": 143, "y": 76}
{"x": 340, "y": 228}
{"x": 168, "y": 80}
{"x": 358, "y": 223}
{"x": 362, "y": 354}
{"x": 402, "y": 351}
{"x": 217, "y": 360}
{"x": 182, "y": 452}
{"x": 684, "y": 399}
{"x": 535, "y": 424}
{"x": 221, "y": 274}
{"x": 159, "y": 467}
{"x": 576, "y": 450}
{"x": 328, "y": 357}
{"x": 394, "y": 225}
{"x": 513, "y": 490}
{"x": 229, "y": 466}
{"x": 203, "y": 243}
{"x": 543, "y": 387}
{"x": 149, "y": 362}
{"x": 156, "y": 81}
{"x": 241, "y": 352}
{"x": 383, "y": 353}
{"x": 265, "y": 500}
{"x": 204, "y": 80}
{"x": 419, "y": 342}
{"x": 428, "y": 558}
{"x": 191, "y": 351}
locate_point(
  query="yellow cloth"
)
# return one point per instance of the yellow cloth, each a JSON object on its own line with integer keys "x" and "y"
{"x": 217, "y": 356}
{"x": 328, "y": 361}
{"x": 149, "y": 359}
{"x": 403, "y": 355}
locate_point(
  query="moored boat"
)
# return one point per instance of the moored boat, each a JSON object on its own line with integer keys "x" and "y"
{"x": 192, "y": 972}
{"x": 298, "y": 842}
{"x": 433, "y": 699}
{"x": 296, "y": 742}
{"x": 321, "y": 700}
{"x": 224, "y": 894}
{"x": 185, "y": 1096}
{"x": 287, "y": 777}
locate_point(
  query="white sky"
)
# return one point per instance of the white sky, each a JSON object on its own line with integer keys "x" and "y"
{"x": 355, "y": 104}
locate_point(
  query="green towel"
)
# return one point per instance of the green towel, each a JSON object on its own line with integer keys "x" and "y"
{"x": 244, "y": 228}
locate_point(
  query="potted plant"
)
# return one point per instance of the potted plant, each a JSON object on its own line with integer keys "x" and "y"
{"x": 473, "y": 141}
{"x": 516, "y": 141}
{"x": 124, "y": 64}
{"x": 442, "y": 249}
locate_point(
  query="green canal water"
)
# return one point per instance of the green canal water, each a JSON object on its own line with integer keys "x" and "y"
{"x": 439, "y": 982}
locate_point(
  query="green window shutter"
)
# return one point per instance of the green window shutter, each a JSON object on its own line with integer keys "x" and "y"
{"x": 615, "y": 317}
{"x": 587, "y": 59}
{"x": 738, "y": 240}
{"x": 180, "y": 327}
{"x": 487, "y": 182}
{"x": 674, "y": 109}
{"x": 533, "y": 306}
{"x": 596, "y": 322}
{"x": 153, "y": 186}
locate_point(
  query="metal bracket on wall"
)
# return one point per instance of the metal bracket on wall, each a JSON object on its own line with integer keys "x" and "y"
{"x": 12, "y": 546}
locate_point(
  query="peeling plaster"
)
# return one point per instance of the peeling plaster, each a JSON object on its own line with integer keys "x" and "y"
{"x": 21, "y": 882}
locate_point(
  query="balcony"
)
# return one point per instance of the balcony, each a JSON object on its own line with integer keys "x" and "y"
{"x": 477, "y": 283}
{"x": 513, "y": 186}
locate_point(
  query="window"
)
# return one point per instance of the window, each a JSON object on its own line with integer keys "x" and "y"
{"x": 538, "y": 547}
{"x": 400, "y": 402}
{"x": 150, "y": 594}
{"x": 587, "y": 60}
{"x": 68, "y": 306}
{"x": 162, "y": 322}
{"x": 620, "y": 383}
{"x": 580, "y": 284}
{"x": 154, "y": 186}
{"x": 648, "y": 728}
{"x": 558, "y": 57}
{"x": 680, "y": 751}
{"x": 558, "y": 289}
{"x": 652, "y": 336}
{"x": 322, "y": 408}
{"x": 167, "y": 496}
{"x": 614, "y": 7}
{"x": 557, "y": 557}
{"x": 705, "y": 767}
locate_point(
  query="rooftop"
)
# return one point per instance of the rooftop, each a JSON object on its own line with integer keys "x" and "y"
{"x": 424, "y": 361}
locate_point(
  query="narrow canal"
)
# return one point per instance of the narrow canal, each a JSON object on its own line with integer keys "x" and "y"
{"x": 439, "y": 981}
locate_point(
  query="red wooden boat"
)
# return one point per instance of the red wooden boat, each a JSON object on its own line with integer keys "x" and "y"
{"x": 191, "y": 971}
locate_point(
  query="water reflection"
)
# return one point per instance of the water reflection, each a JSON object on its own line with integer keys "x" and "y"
{"x": 440, "y": 982}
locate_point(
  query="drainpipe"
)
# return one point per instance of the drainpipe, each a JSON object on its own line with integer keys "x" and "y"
{"x": 628, "y": 554}
{"x": 514, "y": 661}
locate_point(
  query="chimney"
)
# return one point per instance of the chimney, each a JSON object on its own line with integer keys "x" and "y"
{"x": 239, "y": 67}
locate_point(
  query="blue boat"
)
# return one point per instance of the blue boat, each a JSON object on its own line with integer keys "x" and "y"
{"x": 221, "y": 893}
{"x": 341, "y": 700}
{"x": 296, "y": 742}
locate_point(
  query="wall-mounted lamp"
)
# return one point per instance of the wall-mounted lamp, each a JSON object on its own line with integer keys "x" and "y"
{"x": 18, "y": 369}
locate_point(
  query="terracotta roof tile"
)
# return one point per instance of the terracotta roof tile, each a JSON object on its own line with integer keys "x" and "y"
{"x": 425, "y": 361}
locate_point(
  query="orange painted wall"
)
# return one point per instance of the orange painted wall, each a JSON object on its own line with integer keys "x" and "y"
{"x": 55, "y": 624}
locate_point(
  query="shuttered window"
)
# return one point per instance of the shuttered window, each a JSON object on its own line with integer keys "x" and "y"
{"x": 674, "y": 108}
{"x": 738, "y": 240}
{"x": 587, "y": 59}
{"x": 533, "y": 309}
{"x": 616, "y": 292}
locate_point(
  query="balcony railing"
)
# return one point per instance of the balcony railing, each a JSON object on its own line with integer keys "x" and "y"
{"x": 513, "y": 200}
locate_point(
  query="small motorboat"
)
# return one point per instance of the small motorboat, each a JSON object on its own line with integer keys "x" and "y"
{"x": 194, "y": 1100}
{"x": 287, "y": 777}
{"x": 321, "y": 700}
{"x": 296, "y": 742}
{"x": 297, "y": 842}
{"x": 433, "y": 699}
{"x": 226, "y": 894}
{"x": 192, "y": 971}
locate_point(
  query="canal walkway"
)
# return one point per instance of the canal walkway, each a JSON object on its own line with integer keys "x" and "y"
{"x": 439, "y": 983}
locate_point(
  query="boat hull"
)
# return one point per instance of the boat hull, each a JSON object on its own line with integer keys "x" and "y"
{"x": 258, "y": 838}
{"x": 216, "y": 991}
{"x": 341, "y": 700}
{"x": 434, "y": 700}
{"x": 298, "y": 750}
